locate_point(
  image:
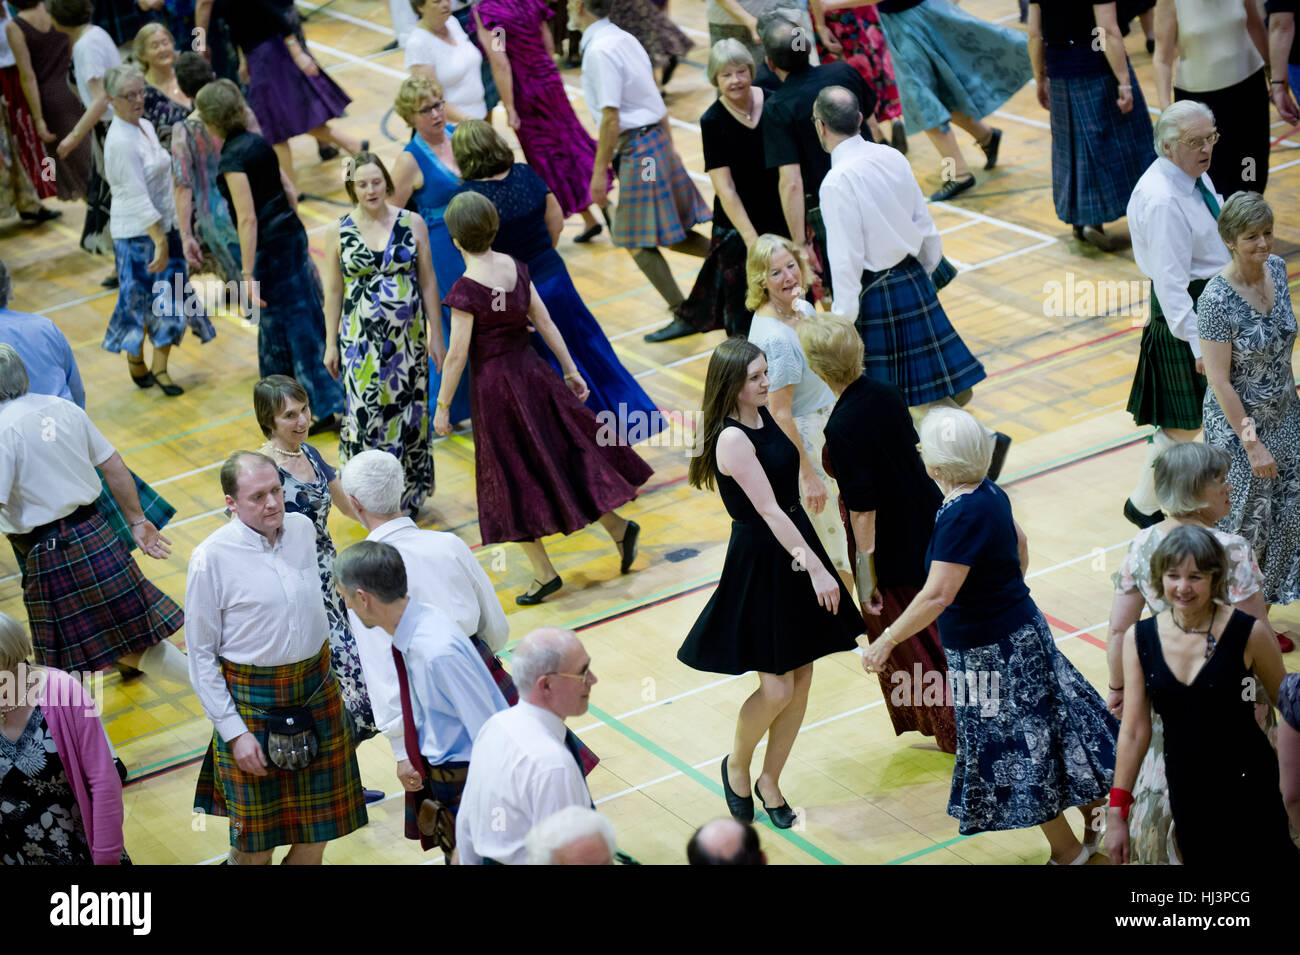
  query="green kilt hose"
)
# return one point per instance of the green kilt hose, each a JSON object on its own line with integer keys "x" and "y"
{"x": 1167, "y": 389}
{"x": 87, "y": 602}
{"x": 320, "y": 802}
{"x": 657, "y": 202}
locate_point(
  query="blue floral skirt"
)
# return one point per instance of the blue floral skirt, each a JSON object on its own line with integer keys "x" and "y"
{"x": 159, "y": 303}
{"x": 1033, "y": 736}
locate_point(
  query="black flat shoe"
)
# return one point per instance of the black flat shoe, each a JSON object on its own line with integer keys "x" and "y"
{"x": 372, "y": 796}
{"x": 543, "y": 591}
{"x": 389, "y": 47}
{"x": 630, "y": 534}
{"x": 991, "y": 150}
{"x": 674, "y": 329}
{"x": 320, "y": 425}
{"x": 120, "y": 767}
{"x": 327, "y": 151}
{"x": 1143, "y": 521}
{"x": 42, "y": 215}
{"x": 1095, "y": 237}
{"x": 141, "y": 381}
{"x": 952, "y": 188}
{"x": 740, "y": 807}
{"x": 1151, "y": 45}
{"x": 128, "y": 672}
{"x": 669, "y": 69}
{"x": 1001, "y": 442}
{"x": 169, "y": 387}
{"x": 589, "y": 233}
{"x": 782, "y": 816}
{"x": 110, "y": 282}
{"x": 898, "y": 137}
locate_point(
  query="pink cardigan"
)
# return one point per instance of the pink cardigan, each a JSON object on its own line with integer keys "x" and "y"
{"x": 87, "y": 760}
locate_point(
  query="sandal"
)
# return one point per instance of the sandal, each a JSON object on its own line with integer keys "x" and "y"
{"x": 141, "y": 381}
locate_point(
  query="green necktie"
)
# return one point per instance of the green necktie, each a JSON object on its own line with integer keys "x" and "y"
{"x": 1210, "y": 202}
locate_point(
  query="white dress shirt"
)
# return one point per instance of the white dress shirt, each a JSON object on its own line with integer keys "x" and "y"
{"x": 1175, "y": 240}
{"x": 441, "y": 571}
{"x": 49, "y": 450}
{"x": 616, "y": 72}
{"x": 875, "y": 217}
{"x": 248, "y": 601}
{"x": 520, "y": 774}
{"x": 92, "y": 55}
{"x": 458, "y": 65}
{"x": 139, "y": 172}
{"x": 452, "y": 692}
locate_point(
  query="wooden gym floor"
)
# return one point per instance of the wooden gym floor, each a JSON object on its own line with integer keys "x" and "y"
{"x": 1058, "y": 381}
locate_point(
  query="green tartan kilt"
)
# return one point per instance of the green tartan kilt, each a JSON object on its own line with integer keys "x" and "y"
{"x": 1167, "y": 391}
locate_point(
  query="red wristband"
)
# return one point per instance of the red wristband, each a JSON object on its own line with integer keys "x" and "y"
{"x": 1121, "y": 799}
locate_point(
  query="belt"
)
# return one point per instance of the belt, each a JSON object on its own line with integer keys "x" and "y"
{"x": 24, "y": 544}
{"x": 639, "y": 131}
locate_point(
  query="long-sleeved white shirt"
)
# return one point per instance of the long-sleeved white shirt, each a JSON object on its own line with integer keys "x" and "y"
{"x": 1175, "y": 240}
{"x": 248, "y": 601}
{"x": 139, "y": 173}
{"x": 875, "y": 217}
{"x": 440, "y": 571}
{"x": 520, "y": 774}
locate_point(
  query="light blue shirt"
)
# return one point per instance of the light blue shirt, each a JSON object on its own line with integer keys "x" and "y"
{"x": 51, "y": 369}
{"x": 452, "y": 692}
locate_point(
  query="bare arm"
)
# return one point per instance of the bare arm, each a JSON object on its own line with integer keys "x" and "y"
{"x": 1113, "y": 46}
{"x": 122, "y": 486}
{"x": 429, "y": 292}
{"x": 864, "y": 531}
{"x": 1125, "y": 610}
{"x": 341, "y": 500}
{"x": 1166, "y": 30}
{"x": 27, "y": 76}
{"x": 1256, "y": 29}
{"x": 93, "y": 114}
{"x": 1037, "y": 60}
{"x": 724, "y": 187}
{"x": 606, "y": 142}
{"x": 1288, "y": 759}
{"x": 406, "y": 179}
{"x": 332, "y": 275}
{"x": 494, "y": 47}
{"x": 1131, "y": 746}
{"x": 741, "y": 16}
{"x": 790, "y": 183}
{"x": 1265, "y": 658}
{"x": 779, "y": 402}
{"x": 554, "y": 218}
{"x": 1281, "y": 32}
{"x": 541, "y": 320}
{"x": 1218, "y": 363}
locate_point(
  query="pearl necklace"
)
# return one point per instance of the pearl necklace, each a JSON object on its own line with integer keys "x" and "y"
{"x": 287, "y": 454}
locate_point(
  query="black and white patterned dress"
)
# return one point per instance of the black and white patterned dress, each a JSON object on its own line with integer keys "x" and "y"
{"x": 1264, "y": 511}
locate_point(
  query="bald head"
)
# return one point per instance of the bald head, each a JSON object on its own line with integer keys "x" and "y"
{"x": 839, "y": 111}
{"x": 725, "y": 842}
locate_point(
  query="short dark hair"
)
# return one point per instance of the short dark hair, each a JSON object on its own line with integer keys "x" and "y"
{"x": 269, "y": 396}
{"x": 598, "y": 8}
{"x": 787, "y": 45}
{"x": 1204, "y": 549}
{"x": 472, "y": 221}
{"x": 839, "y": 110}
{"x": 365, "y": 159}
{"x": 374, "y": 567}
{"x": 233, "y": 465}
{"x": 25, "y": 4}
{"x": 193, "y": 72}
{"x": 70, "y": 13}
{"x": 480, "y": 151}
{"x": 750, "y": 852}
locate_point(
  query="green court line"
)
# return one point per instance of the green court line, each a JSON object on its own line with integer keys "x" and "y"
{"x": 184, "y": 434}
{"x": 818, "y": 853}
{"x": 1076, "y": 457}
{"x": 173, "y": 761}
{"x": 921, "y": 852}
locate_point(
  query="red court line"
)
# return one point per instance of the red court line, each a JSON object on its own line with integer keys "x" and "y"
{"x": 1075, "y": 631}
{"x": 1064, "y": 351}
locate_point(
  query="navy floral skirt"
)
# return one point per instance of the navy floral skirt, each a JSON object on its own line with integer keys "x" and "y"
{"x": 161, "y": 304}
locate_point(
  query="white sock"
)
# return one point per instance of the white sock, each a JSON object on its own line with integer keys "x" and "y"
{"x": 164, "y": 660}
{"x": 1144, "y": 495}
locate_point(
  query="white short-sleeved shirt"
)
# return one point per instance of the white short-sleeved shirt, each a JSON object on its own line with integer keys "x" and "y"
{"x": 616, "y": 72}
{"x": 92, "y": 55}
{"x": 787, "y": 364}
{"x": 458, "y": 66}
{"x": 139, "y": 173}
{"x": 49, "y": 450}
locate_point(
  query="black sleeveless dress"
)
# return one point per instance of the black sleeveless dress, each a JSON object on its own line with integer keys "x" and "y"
{"x": 764, "y": 615}
{"x": 1222, "y": 772}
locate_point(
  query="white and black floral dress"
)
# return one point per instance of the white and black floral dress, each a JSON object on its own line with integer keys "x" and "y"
{"x": 1265, "y": 511}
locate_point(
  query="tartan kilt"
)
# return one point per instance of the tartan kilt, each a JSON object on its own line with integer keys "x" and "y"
{"x": 717, "y": 299}
{"x": 908, "y": 338}
{"x": 657, "y": 201}
{"x": 285, "y": 807}
{"x": 155, "y": 508}
{"x": 88, "y": 603}
{"x": 1167, "y": 391}
{"x": 444, "y": 785}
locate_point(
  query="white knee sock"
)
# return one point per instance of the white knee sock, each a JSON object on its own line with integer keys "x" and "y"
{"x": 1144, "y": 495}
{"x": 164, "y": 660}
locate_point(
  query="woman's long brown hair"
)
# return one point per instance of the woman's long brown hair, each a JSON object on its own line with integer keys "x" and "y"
{"x": 728, "y": 369}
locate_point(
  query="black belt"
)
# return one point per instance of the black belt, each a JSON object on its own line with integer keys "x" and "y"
{"x": 24, "y": 544}
{"x": 639, "y": 131}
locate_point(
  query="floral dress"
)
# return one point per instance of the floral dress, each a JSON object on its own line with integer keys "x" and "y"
{"x": 857, "y": 30}
{"x": 195, "y": 156}
{"x": 313, "y": 499}
{"x": 385, "y": 355}
{"x": 1151, "y": 821}
{"x": 40, "y": 819}
{"x": 1265, "y": 511}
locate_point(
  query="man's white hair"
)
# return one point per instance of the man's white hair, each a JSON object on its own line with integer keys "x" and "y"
{"x": 564, "y": 828}
{"x": 1177, "y": 117}
{"x": 376, "y": 480}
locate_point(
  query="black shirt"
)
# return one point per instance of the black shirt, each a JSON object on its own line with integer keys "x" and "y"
{"x": 789, "y": 136}
{"x": 1069, "y": 39}
{"x": 251, "y": 154}
{"x": 253, "y": 22}
{"x": 871, "y": 446}
{"x": 729, "y": 142}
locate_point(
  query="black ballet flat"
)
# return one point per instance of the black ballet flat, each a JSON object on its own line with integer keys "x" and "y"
{"x": 41, "y": 215}
{"x": 991, "y": 150}
{"x": 740, "y": 807}
{"x": 589, "y": 233}
{"x": 669, "y": 69}
{"x": 782, "y": 816}
{"x": 543, "y": 591}
{"x": 327, "y": 151}
{"x": 953, "y": 188}
{"x": 1001, "y": 443}
{"x": 1143, "y": 521}
{"x": 169, "y": 387}
{"x": 630, "y": 534}
{"x": 898, "y": 137}
{"x": 1151, "y": 45}
{"x": 372, "y": 796}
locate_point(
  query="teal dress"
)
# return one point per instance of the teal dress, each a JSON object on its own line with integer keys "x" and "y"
{"x": 431, "y": 199}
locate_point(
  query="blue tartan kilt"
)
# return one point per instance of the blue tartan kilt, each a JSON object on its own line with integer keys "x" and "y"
{"x": 1098, "y": 153}
{"x": 657, "y": 201}
{"x": 908, "y": 338}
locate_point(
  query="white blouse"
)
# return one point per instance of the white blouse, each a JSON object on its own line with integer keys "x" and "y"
{"x": 1214, "y": 49}
{"x": 457, "y": 64}
{"x": 139, "y": 173}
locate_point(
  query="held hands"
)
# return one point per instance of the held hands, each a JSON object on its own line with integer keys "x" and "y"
{"x": 248, "y": 754}
{"x": 827, "y": 586}
{"x": 411, "y": 780}
{"x": 873, "y": 604}
{"x": 1261, "y": 460}
{"x": 1117, "y": 841}
{"x": 828, "y": 40}
{"x": 331, "y": 361}
{"x": 813, "y": 488}
{"x": 876, "y": 656}
{"x": 1200, "y": 366}
{"x": 150, "y": 541}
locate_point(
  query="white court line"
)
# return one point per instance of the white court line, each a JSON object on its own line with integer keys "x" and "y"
{"x": 1075, "y": 560}
{"x": 674, "y": 364}
{"x": 1113, "y": 404}
{"x": 992, "y": 220}
{"x": 348, "y": 18}
{"x": 1284, "y": 165}
{"x": 1022, "y": 119}
{"x": 643, "y": 328}
{"x": 954, "y": 228}
{"x": 386, "y": 70}
{"x": 185, "y": 474}
{"x": 76, "y": 301}
{"x": 1009, "y": 255}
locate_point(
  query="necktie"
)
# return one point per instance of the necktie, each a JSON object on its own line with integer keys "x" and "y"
{"x": 1210, "y": 202}
{"x": 575, "y": 750}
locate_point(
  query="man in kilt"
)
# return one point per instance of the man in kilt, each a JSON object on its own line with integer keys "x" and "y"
{"x": 88, "y": 605}
{"x": 447, "y": 694}
{"x": 657, "y": 202}
{"x": 282, "y": 762}
{"x": 1176, "y": 244}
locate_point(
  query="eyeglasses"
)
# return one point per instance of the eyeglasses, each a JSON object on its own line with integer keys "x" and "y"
{"x": 130, "y": 95}
{"x": 430, "y": 108}
{"x": 584, "y": 676}
{"x": 1199, "y": 141}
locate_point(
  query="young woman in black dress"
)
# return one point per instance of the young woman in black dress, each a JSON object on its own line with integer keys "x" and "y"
{"x": 1194, "y": 664}
{"x": 779, "y": 604}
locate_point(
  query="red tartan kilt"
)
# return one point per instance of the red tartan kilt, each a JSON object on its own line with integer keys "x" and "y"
{"x": 87, "y": 602}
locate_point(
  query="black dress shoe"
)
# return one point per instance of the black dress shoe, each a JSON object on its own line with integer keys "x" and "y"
{"x": 169, "y": 387}
{"x": 991, "y": 150}
{"x": 782, "y": 816}
{"x": 1135, "y": 516}
{"x": 1095, "y": 237}
{"x": 127, "y": 672}
{"x": 327, "y": 151}
{"x": 1001, "y": 442}
{"x": 110, "y": 282}
{"x": 120, "y": 767}
{"x": 898, "y": 137}
{"x": 953, "y": 187}
{"x": 392, "y": 45}
{"x": 740, "y": 807}
{"x": 630, "y": 534}
{"x": 372, "y": 796}
{"x": 1151, "y": 45}
{"x": 589, "y": 233}
{"x": 543, "y": 591}
{"x": 41, "y": 215}
{"x": 320, "y": 425}
{"x": 674, "y": 329}
{"x": 669, "y": 69}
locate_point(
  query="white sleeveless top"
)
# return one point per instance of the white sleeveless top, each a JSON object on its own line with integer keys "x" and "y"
{"x": 1214, "y": 49}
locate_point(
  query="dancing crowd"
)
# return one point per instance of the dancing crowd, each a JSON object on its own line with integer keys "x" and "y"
{"x": 865, "y": 509}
